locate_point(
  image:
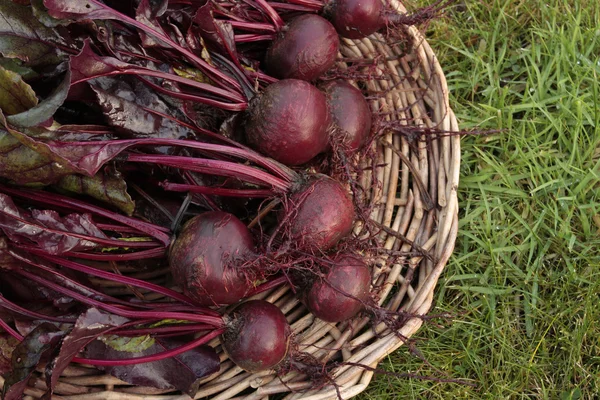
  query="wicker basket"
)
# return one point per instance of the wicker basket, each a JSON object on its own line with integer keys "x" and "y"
{"x": 417, "y": 93}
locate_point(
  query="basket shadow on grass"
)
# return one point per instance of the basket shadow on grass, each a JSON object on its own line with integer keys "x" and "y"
{"x": 524, "y": 277}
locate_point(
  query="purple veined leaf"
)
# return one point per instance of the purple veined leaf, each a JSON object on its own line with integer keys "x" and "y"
{"x": 56, "y": 159}
{"x": 88, "y": 65}
{"x": 46, "y": 108}
{"x": 182, "y": 372}
{"x": 137, "y": 121}
{"x": 87, "y": 328}
{"x": 107, "y": 186}
{"x": 22, "y": 36}
{"x": 93, "y": 9}
{"x": 7, "y": 346}
{"x": 54, "y": 200}
{"x": 41, "y": 14}
{"x": 26, "y": 356}
{"x": 50, "y": 231}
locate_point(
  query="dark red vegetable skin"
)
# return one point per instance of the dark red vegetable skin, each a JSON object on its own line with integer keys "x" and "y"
{"x": 202, "y": 256}
{"x": 324, "y": 214}
{"x": 305, "y": 50}
{"x": 356, "y": 19}
{"x": 258, "y": 336}
{"x": 350, "y": 113}
{"x": 350, "y": 275}
{"x": 289, "y": 122}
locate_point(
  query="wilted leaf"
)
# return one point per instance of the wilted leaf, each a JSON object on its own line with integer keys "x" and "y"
{"x": 16, "y": 96}
{"x": 7, "y": 346}
{"x": 106, "y": 186}
{"x": 46, "y": 228}
{"x": 182, "y": 372}
{"x": 46, "y": 108}
{"x": 22, "y": 36}
{"x": 87, "y": 328}
{"x": 26, "y": 356}
{"x": 16, "y": 65}
{"x": 41, "y": 13}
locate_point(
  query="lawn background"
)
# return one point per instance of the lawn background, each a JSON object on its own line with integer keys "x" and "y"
{"x": 524, "y": 280}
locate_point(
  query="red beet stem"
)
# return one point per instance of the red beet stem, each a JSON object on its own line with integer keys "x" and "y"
{"x": 271, "y": 13}
{"x": 10, "y": 330}
{"x": 181, "y": 329}
{"x": 198, "y": 99}
{"x": 112, "y": 276}
{"x": 252, "y": 26}
{"x": 71, "y": 282}
{"x": 7, "y": 304}
{"x": 154, "y": 357}
{"x": 214, "y": 167}
{"x": 179, "y": 187}
{"x": 249, "y": 38}
{"x": 128, "y": 313}
{"x": 311, "y": 4}
{"x": 47, "y": 198}
{"x": 138, "y": 255}
{"x": 170, "y": 77}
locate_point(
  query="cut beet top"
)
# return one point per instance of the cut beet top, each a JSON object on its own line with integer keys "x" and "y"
{"x": 204, "y": 255}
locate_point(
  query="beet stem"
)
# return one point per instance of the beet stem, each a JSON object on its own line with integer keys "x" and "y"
{"x": 10, "y": 330}
{"x": 138, "y": 255}
{"x": 112, "y": 276}
{"x": 154, "y": 357}
{"x": 182, "y": 329}
{"x": 252, "y": 26}
{"x": 214, "y": 167}
{"x": 271, "y": 13}
{"x": 249, "y": 38}
{"x": 46, "y": 198}
{"x": 7, "y": 304}
{"x": 178, "y": 187}
{"x": 273, "y": 283}
{"x": 198, "y": 99}
{"x": 128, "y": 313}
{"x": 83, "y": 287}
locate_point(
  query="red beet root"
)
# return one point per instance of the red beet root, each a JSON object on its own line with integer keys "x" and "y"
{"x": 289, "y": 122}
{"x": 350, "y": 113}
{"x": 257, "y": 337}
{"x": 343, "y": 291}
{"x": 356, "y": 19}
{"x": 202, "y": 258}
{"x": 324, "y": 214}
{"x": 305, "y": 50}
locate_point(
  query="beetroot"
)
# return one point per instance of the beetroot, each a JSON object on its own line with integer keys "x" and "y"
{"x": 356, "y": 19}
{"x": 322, "y": 214}
{"x": 342, "y": 293}
{"x": 350, "y": 113}
{"x": 289, "y": 122}
{"x": 257, "y": 336}
{"x": 305, "y": 50}
{"x": 203, "y": 256}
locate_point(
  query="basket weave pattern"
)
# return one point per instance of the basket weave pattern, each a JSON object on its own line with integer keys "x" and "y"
{"x": 416, "y": 93}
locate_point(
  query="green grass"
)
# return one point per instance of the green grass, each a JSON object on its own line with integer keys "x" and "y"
{"x": 524, "y": 280}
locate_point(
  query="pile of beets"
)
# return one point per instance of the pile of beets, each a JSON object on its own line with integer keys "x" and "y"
{"x": 162, "y": 164}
